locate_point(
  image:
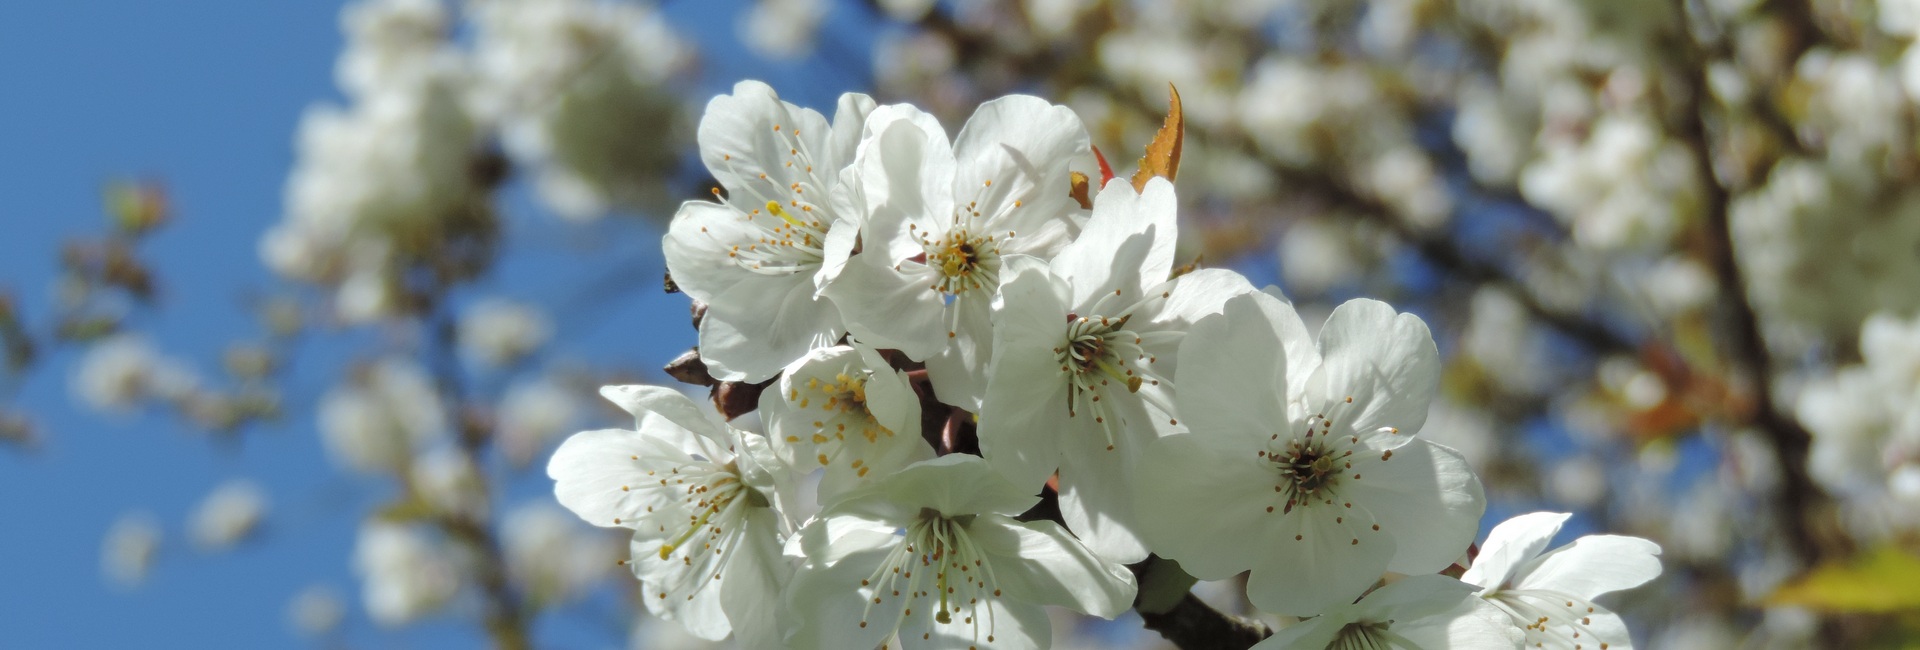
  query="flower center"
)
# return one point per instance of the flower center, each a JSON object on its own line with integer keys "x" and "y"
{"x": 1312, "y": 465}
{"x": 843, "y": 400}
{"x": 963, "y": 260}
{"x": 937, "y": 564}
{"x": 1096, "y": 355}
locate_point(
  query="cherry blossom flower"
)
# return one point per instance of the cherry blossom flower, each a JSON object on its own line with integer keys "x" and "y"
{"x": 755, "y": 256}
{"x": 1550, "y": 596}
{"x": 843, "y": 408}
{"x": 942, "y": 219}
{"x": 1084, "y": 356}
{"x": 1415, "y": 613}
{"x": 703, "y": 501}
{"x": 1302, "y": 465}
{"x": 932, "y": 555}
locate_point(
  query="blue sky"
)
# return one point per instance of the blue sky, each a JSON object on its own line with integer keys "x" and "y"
{"x": 206, "y": 96}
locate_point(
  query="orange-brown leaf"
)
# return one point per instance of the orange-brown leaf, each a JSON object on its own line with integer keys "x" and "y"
{"x": 1162, "y": 157}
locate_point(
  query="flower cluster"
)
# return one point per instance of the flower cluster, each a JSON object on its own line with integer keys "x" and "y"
{"x": 951, "y": 330}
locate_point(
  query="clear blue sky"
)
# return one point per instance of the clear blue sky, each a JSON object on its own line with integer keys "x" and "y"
{"x": 206, "y": 96}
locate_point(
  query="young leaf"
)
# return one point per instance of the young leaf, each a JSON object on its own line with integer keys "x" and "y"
{"x": 1162, "y": 157}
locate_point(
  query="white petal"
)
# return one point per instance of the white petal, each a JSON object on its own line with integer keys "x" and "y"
{"x": 1127, "y": 245}
{"x": 826, "y": 603}
{"x": 1474, "y": 624}
{"x": 1593, "y": 565}
{"x": 1010, "y": 624}
{"x": 697, "y": 244}
{"x": 1314, "y": 633}
{"x": 1321, "y": 569}
{"x": 1038, "y": 562}
{"x": 1025, "y": 409}
{"x": 849, "y": 125}
{"x": 959, "y": 373}
{"x": 750, "y": 585}
{"x": 905, "y": 171}
{"x": 888, "y": 309}
{"x": 954, "y": 485}
{"x": 643, "y": 400}
{"x": 1197, "y": 496}
{"x": 1385, "y": 361}
{"x": 756, "y": 328}
{"x": 744, "y": 151}
{"x": 1025, "y": 146}
{"x": 829, "y": 539}
{"x": 1426, "y": 497}
{"x": 591, "y": 466}
{"x": 1231, "y": 378}
{"x": 1510, "y": 544}
{"x": 889, "y": 395}
{"x": 1096, "y": 501}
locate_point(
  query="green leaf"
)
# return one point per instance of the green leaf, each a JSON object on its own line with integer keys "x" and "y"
{"x": 1883, "y": 581}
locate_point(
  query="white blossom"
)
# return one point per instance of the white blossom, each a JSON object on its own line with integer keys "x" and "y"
{"x": 932, "y": 556}
{"x": 228, "y": 515}
{"x": 316, "y": 610}
{"x": 705, "y": 503}
{"x": 1550, "y": 596}
{"x": 376, "y": 422}
{"x": 405, "y": 573}
{"x": 845, "y": 409}
{"x": 1302, "y": 464}
{"x": 1424, "y": 612}
{"x": 757, "y": 256}
{"x": 532, "y": 414}
{"x": 578, "y": 89}
{"x": 941, "y": 219}
{"x": 1083, "y": 360}
{"x": 552, "y": 556}
{"x": 129, "y": 550}
{"x": 499, "y": 332}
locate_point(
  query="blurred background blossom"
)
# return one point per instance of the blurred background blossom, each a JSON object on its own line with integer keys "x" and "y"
{"x": 387, "y": 249}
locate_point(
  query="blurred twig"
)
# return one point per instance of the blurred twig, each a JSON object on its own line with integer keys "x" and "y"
{"x": 1799, "y": 498}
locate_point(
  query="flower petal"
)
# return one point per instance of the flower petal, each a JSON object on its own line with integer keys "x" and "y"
{"x": 959, "y": 373}
{"x": 1038, "y": 562}
{"x": 1025, "y": 408}
{"x": 591, "y": 466}
{"x": 1426, "y": 497}
{"x": 1198, "y": 503}
{"x": 1321, "y": 569}
{"x": 1024, "y": 147}
{"x": 750, "y": 585}
{"x": 1593, "y": 565}
{"x": 1231, "y": 377}
{"x": 747, "y": 137}
{"x": 888, "y": 309}
{"x": 756, "y": 328}
{"x": 1095, "y": 499}
{"x": 1511, "y": 544}
{"x": 1386, "y": 361}
{"x": 1127, "y": 245}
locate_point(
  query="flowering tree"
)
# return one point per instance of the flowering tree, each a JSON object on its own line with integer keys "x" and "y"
{"x": 1388, "y": 277}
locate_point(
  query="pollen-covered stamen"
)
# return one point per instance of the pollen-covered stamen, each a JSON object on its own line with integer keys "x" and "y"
{"x": 1313, "y": 462}
{"x": 787, "y": 226}
{"x": 842, "y": 423}
{"x": 963, "y": 260}
{"x": 1101, "y": 356}
{"x": 938, "y": 571}
{"x": 1552, "y": 619}
{"x": 714, "y": 501}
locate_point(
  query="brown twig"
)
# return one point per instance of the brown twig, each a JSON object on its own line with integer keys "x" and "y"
{"x": 1799, "y": 497}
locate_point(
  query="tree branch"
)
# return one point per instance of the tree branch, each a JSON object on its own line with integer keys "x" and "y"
{"x": 1799, "y": 496}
